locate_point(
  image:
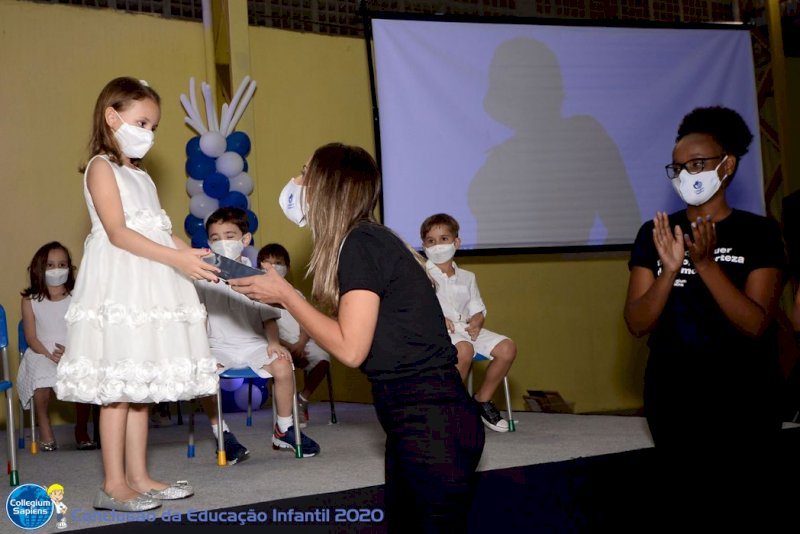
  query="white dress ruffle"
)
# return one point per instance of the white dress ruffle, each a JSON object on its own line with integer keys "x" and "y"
{"x": 135, "y": 329}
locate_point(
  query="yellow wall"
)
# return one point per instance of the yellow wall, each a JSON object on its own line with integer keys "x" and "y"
{"x": 564, "y": 312}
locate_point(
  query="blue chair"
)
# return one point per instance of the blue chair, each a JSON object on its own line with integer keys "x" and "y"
{"x": 248, "y": 375}
{"x": 22, "y": 343}
{"x": 6, "y": 387}
{"x": 512, "y": 427}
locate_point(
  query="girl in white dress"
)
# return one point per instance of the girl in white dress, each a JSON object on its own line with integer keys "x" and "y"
{"x": 135, "y": 327}
{"x": 44, "y": 304}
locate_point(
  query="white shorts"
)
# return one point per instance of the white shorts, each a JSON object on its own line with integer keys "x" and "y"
{"x": 484, "y": 344}
{"x": 314, "y": 355}
{"x": 255, "y": 358}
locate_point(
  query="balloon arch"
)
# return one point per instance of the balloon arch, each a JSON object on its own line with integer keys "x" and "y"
{"x": 216, "y": 162}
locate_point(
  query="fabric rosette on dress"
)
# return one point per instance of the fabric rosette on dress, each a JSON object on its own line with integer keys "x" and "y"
{"x": 136, "y": 329}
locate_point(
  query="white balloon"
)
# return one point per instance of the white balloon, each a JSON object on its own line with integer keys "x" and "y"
{"x": 213, "y": 144}
{"x": 242, "y": 183}
{"x": 202, "y": 205}
{"x": 230, "y": 164}
{"x": 194, "y": 187}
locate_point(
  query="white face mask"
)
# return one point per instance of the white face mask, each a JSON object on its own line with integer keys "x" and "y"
{"x": 293, "y": 203}
{"x": 230, "y": 248}
{"x": 281, "y": 270}
{"x": 697, "y": 189}
{"x": 439, "y": 254}
{"x": 56, "y": 277}
{"x": 133, "y": 140}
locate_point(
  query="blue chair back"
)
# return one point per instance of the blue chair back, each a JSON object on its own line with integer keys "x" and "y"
{"x": 3, "y": 328}
{"x": 21, "y": 341}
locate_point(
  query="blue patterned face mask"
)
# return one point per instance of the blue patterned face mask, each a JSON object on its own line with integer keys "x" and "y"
{"x": 697, "y": 189}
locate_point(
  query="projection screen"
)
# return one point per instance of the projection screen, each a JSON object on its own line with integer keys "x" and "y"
{"x": 548, "y": 136}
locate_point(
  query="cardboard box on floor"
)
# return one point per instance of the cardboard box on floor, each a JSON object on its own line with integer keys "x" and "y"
{"x": 548, "y": 402}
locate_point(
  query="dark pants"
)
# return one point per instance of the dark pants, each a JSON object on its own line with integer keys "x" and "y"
{"x": 434, "y": 441}
{"x": 716, "y": 428}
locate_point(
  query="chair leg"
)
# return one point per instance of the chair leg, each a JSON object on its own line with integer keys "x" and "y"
{"x": 12, "y": 447}
{"x": 21, "y": 436}
{"x": 221, "y": 458}
{"x": 34, "y": 441}
{"x": 180, "y": 413}
{"x": 96, "y": 425}
{"x": 512, "y": 427}
{"x": 190, "y": 450}
{"x": 249, "y": 402}
{"x": 330, "y": 396}
{"x": 298, "y": 448}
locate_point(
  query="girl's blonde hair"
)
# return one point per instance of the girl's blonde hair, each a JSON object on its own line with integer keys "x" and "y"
{"x": 342, "y": 187}
{"x": 118, "y": 94}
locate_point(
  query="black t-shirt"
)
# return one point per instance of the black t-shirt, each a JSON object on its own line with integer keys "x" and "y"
{"x": 691, "y": 319}
{"x": 411, "y": 335}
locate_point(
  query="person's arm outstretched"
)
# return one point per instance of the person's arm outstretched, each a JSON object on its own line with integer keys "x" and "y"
{"x": 348, "y": 337}
{"x": 108, "y": 203}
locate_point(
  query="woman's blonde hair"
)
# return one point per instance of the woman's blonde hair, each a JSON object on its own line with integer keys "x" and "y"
{"x": 342, "y": 184}
{"x": 118, "y": 94}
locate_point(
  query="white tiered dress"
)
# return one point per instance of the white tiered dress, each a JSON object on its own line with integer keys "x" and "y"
{"x": 136, "y": 330}
{"x": 36, "y": 371}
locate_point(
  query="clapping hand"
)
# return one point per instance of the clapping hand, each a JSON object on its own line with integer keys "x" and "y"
{"x": 704, "y": 239}
{"x": 669, "y": 243}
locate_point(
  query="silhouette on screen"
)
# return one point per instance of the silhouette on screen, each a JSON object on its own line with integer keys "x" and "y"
{"x": 551, "y": 165}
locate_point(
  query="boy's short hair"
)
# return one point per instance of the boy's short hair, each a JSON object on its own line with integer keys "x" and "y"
{"x": 440, "y": 219}
{"x": 235, "y": 216}
{"x": 273, "y": 249}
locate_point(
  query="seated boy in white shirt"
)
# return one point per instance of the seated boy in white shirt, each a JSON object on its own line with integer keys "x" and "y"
{"x": 307, "y": 355}
{"x": 465, "y": 313}
{"x": 243, "y": 333}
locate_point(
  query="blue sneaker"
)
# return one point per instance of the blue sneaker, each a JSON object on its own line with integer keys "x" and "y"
{"x": 235, "y": 452}
{"x": 285, "y": 440}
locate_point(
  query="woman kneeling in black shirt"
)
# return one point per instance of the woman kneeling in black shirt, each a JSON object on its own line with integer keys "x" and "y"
{"x": 389, "y": 323}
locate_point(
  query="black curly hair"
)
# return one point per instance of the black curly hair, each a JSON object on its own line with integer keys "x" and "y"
{"x": 724, "y": 125}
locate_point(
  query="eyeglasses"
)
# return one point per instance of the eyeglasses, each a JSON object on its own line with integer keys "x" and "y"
{"x": 693, "y": 166}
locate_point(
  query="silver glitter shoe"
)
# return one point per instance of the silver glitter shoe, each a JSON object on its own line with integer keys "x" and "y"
{"x": 179, "y": 490}
{"x": 103, "y": 501}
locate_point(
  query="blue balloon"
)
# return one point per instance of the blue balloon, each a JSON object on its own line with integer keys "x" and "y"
{"x": 200, "y": 238}
{"x": 216, "y": 185}
{"x": 244, "y": 169}
{"x": 252, "y": 221}
{"x": 234, "y": 199}
{"x": 238, "y": 142}
{"x": 199, "y": 166}
{"x": 193, "y": 146}
{"x": 193, "y": 224}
